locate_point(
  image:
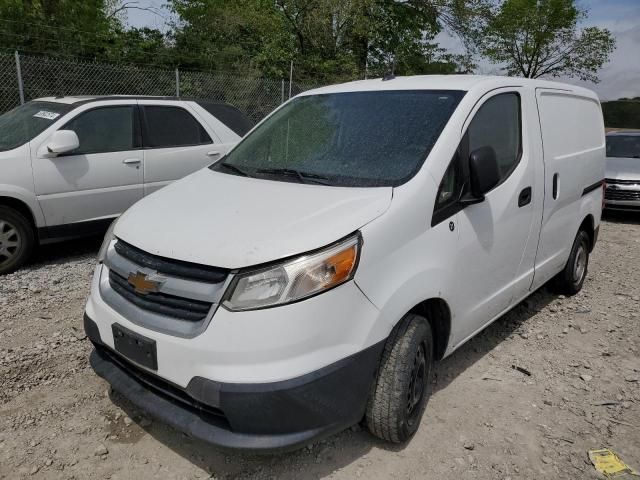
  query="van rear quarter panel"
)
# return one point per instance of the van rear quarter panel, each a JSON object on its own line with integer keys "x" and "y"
{"x": 573, "y": 140}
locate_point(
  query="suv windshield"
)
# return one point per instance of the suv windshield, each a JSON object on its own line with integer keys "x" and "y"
{"x": 359, "y": 139}
{"x": 623, "y": 146}
{"x": 20, "y": 125}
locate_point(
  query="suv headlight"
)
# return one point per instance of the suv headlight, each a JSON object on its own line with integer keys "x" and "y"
{"x": 296, "y": 278}
{"x": 108, "y": 238}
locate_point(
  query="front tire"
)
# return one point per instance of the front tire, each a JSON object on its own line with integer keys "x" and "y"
{"x": 402, "y": 387}
{"x": 17, "y": 239}
{"x": 570, "y": 280}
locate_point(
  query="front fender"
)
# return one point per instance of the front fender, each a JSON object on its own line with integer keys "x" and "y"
{"x": 26, "y": 197}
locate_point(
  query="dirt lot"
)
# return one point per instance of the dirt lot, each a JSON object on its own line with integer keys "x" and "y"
{"x": 485, "y": 420}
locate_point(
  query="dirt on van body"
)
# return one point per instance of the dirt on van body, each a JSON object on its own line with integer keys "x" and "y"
{"x": 527, "y": 398}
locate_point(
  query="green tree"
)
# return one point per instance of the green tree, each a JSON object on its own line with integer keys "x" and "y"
{"x": 328, "y": 40}
{"x": 536, "y": 38}
{"x": 56, "y": 26}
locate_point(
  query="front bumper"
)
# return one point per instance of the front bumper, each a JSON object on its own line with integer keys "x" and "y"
{"x": 633, "y": 206}
{"x": 255, "y": 417}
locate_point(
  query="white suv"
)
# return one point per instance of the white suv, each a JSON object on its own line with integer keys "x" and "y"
{"x": 361, "y": 232}
{"x": 70, "y": 165}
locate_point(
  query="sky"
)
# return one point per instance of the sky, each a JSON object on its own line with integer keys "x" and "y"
{"x": 618, "y": 78}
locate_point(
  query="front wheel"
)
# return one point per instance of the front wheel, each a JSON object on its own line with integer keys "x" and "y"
{"x": 399, "y": 395}
{"x": 17, "y": 239}
{"x": 569, "y": 281}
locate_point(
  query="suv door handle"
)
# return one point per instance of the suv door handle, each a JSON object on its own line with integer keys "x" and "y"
{"x": 213, "y": 153}
{"x": 525, "y": 197}
{"x": 129, "y": 161}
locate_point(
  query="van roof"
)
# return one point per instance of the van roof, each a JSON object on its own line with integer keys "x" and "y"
{"x": 447, "y": 82}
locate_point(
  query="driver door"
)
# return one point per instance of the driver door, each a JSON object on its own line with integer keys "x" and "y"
{"x": 497, "y": 238}
{"x": 82, "y": 190}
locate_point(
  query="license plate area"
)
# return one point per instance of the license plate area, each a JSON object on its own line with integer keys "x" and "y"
{"x": 135, "y": 347}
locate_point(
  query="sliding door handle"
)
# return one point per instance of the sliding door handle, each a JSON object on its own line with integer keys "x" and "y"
{"x": 525, "y": 197}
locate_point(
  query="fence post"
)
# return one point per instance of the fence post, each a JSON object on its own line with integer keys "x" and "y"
{"x": 19, "y": 73}
{"x": 177, "y": 82}
{"x": 282, "y": 92}
{"x": 290, "y": 78}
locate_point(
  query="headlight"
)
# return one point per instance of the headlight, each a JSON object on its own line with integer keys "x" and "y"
{"x": 295, "y": 279}
{"x": 108, "y": 238}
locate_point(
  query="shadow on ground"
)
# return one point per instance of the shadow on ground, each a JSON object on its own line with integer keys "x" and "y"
{"x": 62, "y": 252}
{"x": 619, "y": 216}
{"x": 349, "y": 446}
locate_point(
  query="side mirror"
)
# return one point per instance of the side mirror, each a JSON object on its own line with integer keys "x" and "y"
{"x": 484, "y": 172}
{"x": 62, "y": 141}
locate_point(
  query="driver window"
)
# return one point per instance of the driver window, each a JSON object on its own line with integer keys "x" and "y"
{"x": 497, "y": 124}
{"x": 104, "y": 129}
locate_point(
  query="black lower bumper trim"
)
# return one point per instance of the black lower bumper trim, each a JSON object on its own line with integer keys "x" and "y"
{"x": 256, "y": 417}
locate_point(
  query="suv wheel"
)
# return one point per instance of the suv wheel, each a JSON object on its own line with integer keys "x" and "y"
{"x": 402, "y": 387}
{"x": 17, "y": 239}
{"x": 569, "y": 281}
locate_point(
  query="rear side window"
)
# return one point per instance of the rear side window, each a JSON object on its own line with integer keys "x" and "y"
{"x": 172, "y": 127}
{"x": 230, "y": 116}
{"x": 105, "y": 129}
{"x": 497, "y": 124}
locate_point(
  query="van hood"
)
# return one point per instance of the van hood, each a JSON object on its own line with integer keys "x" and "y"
{"x": 622, "y": 168}
{"x": 229, "y": 221}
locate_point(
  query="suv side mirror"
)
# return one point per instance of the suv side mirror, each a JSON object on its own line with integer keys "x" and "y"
{"x": 62, "y": 141}
{"x": 484, "y": 172}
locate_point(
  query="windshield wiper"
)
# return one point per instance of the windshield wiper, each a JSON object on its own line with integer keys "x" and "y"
{"x": 304, "y": 177}
{"x": 233, "y": 168}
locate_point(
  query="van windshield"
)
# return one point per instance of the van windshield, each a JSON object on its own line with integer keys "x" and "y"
{"x": 623, "y": 146}
{"x": 356, "y": 139}
{"x": 20, "y": 125}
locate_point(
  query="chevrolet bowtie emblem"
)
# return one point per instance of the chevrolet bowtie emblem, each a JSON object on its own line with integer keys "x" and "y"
{"x": 145, "y": 283}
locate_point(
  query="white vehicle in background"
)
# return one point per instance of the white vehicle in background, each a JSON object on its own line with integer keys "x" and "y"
{"x": 623, "y": 171}
{"x": 360, "y": 233}
{"x": 70, "y": 165}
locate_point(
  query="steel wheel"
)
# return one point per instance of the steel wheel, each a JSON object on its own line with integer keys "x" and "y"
{"x": 10, "y": 242}
{"x": 580, "y": 263}
{"x": 417, "y": 383}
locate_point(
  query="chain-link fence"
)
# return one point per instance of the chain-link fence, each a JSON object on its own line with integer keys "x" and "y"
{"x": 47, "y": 76}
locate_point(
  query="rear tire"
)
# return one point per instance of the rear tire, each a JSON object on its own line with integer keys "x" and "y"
{"x": 570, "y": 280}
{"x": 17, "y": 240}
{"x": 399, "y": 395}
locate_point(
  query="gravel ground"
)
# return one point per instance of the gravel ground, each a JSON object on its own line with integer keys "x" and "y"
{"x": 485, "y": 420}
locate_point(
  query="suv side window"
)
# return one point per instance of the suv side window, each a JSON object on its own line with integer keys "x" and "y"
{"x": 172, "y": 127}
{"x": 497, "y": 124}
{"x": 105, "y": 129}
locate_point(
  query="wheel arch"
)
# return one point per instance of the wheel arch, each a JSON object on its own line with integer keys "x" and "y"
{"x": 438, "y": 314}
{"x": 21, "y": 207}
{"x": 588, "y": 226}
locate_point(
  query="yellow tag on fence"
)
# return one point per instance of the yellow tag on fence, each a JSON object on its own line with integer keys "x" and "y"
{"x": 608, "y": 463}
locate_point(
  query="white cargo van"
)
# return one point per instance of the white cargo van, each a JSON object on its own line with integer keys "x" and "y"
{"x": 311, "y": 277}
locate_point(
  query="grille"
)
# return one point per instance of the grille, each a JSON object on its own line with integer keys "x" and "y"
{"x": 623, "y": 195}
{"x": 169, "y": 305}
{"x": 613, "y": 181}
{"x": 177, "y": 268}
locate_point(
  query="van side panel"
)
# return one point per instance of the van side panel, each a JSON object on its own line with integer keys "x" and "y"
{"x": 573, "y": 141}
